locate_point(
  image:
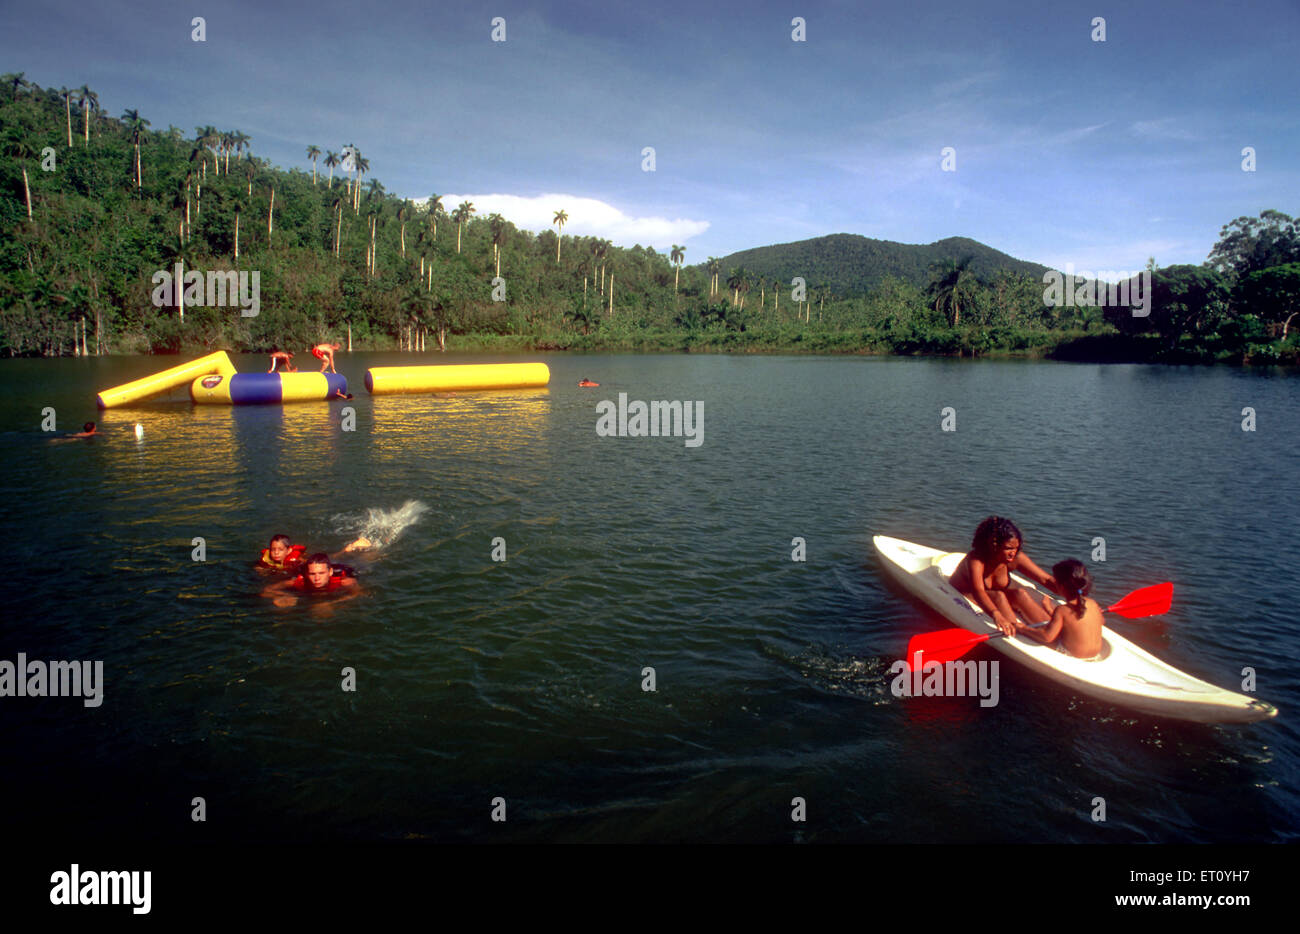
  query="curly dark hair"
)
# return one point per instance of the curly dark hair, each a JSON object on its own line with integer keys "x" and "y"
{"x": 992, "y": 534}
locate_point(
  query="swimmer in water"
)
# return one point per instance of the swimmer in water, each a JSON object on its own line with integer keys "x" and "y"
{"x": 318, "y": 578}
{"x": 87, "y": 431}
{"x": 586, "y": 382}
{"x": 281, "y": 554}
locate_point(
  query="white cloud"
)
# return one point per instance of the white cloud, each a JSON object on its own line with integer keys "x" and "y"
{"x": 588, "y": 217}
{"x": 1165, "y": 128}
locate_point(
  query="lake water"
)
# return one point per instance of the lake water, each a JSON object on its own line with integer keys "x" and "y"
{"x": 522, "y": 679}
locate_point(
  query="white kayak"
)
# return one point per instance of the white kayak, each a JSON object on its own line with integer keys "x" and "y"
{"x": 1124, "y": 675}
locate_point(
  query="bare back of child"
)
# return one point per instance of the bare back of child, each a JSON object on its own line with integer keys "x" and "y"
{"x": 1075, "y": 626}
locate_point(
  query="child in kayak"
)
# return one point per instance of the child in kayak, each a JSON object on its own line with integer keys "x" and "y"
{"x": 1078, "y": 621}
{"x": 318, "y": 578}
{"x": 984, "y": 575}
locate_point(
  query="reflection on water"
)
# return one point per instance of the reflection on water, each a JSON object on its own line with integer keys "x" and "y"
{"x": 623, "y": 554}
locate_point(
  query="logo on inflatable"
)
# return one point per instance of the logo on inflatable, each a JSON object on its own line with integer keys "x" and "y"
{"x": 210, "y": 382}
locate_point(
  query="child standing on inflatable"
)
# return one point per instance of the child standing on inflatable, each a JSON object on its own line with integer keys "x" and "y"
{"x": 325, "y": 353}
{"x": 984, "y": 575}
{"x": 282, "y": 356}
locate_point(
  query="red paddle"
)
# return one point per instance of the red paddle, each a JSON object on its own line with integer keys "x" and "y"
{"x": 951, "y": 644}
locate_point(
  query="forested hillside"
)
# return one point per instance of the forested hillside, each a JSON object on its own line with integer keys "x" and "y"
{"x": 95, "y": 207}
{"x": 850, "y": 264}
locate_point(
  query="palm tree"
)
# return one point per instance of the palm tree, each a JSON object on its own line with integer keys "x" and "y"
{"x": 242, "y": 141}
{"x": 462, "y": 213}
{"x": 227, "y": 144}
{"x": 734, "y": 281}
{"x": 206, "y": 138}
{"x": 435, "y": 205}
{"x": 363, "y": 166}
{"x": 22, "y": 150}
{"x": 600, "y": 249}
{"x": 66, "y": 94}
{"x": 337, "y": 207}
{"x": 676, "y": 256}
{"x": 135, "y": 123}
{"x": 561, "y": 218}
{"x": 498, "y": 224}
{"x": 17, "y": 82}
{"x": 715, "y": 269}
{"x": 313, "y": 153}
{"x": 331, "y": 160}
{"x": 375, "y": 190}
{"x": 89, "y": 101}
{"x": 952, "y": 284}
{"x": 402, "y": 214}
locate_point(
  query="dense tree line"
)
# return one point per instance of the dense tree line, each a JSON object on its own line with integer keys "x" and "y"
{"x": 93, "y": 207}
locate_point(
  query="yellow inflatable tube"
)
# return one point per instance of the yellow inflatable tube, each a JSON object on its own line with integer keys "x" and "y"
{"x": 138, "y": 389}
{"x": 381, "y": 380}
{"x": 267, "y": 388}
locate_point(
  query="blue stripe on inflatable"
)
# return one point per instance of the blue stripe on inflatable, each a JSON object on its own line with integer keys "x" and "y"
{"x": 337, "y": 383}
{"x": 254, "y": 388}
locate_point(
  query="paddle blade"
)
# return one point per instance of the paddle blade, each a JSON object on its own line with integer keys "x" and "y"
{"x": 1148, "y": 601}
{"x": 945, "y": 646}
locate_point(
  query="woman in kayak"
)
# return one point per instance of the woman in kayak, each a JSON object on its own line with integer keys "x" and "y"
{"x": 984, "y": 575}
{"x": 1078, "y": 621}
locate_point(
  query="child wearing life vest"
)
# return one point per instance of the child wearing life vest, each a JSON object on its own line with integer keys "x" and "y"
{"x": 281, "y": 554}
{"x": 317, "y": 578}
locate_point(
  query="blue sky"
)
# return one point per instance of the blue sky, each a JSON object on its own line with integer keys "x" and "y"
{"x": 1098, "y": 154}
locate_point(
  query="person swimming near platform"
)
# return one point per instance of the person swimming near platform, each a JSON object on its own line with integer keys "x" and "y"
{"x": 317, "y": 578}
{"x": 984, "y": 575}
{"x": 1077, "y": 622}
{"x": 586, "y": 383}
{"x": 87, "y": 431}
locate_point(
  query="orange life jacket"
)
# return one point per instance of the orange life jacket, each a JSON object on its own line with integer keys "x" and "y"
{"x": 293, "y": 557}
{"x": 338, "y": 573}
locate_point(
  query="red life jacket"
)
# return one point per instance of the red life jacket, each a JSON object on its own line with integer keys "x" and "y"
{"x": 293, "y": 557}
{"x": 338, "y": 573}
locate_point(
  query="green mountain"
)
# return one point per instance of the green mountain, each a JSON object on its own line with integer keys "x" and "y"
{"x": 849, "y": 264}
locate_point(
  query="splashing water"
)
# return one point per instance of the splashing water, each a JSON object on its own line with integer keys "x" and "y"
{"x": 381, "y": 526}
